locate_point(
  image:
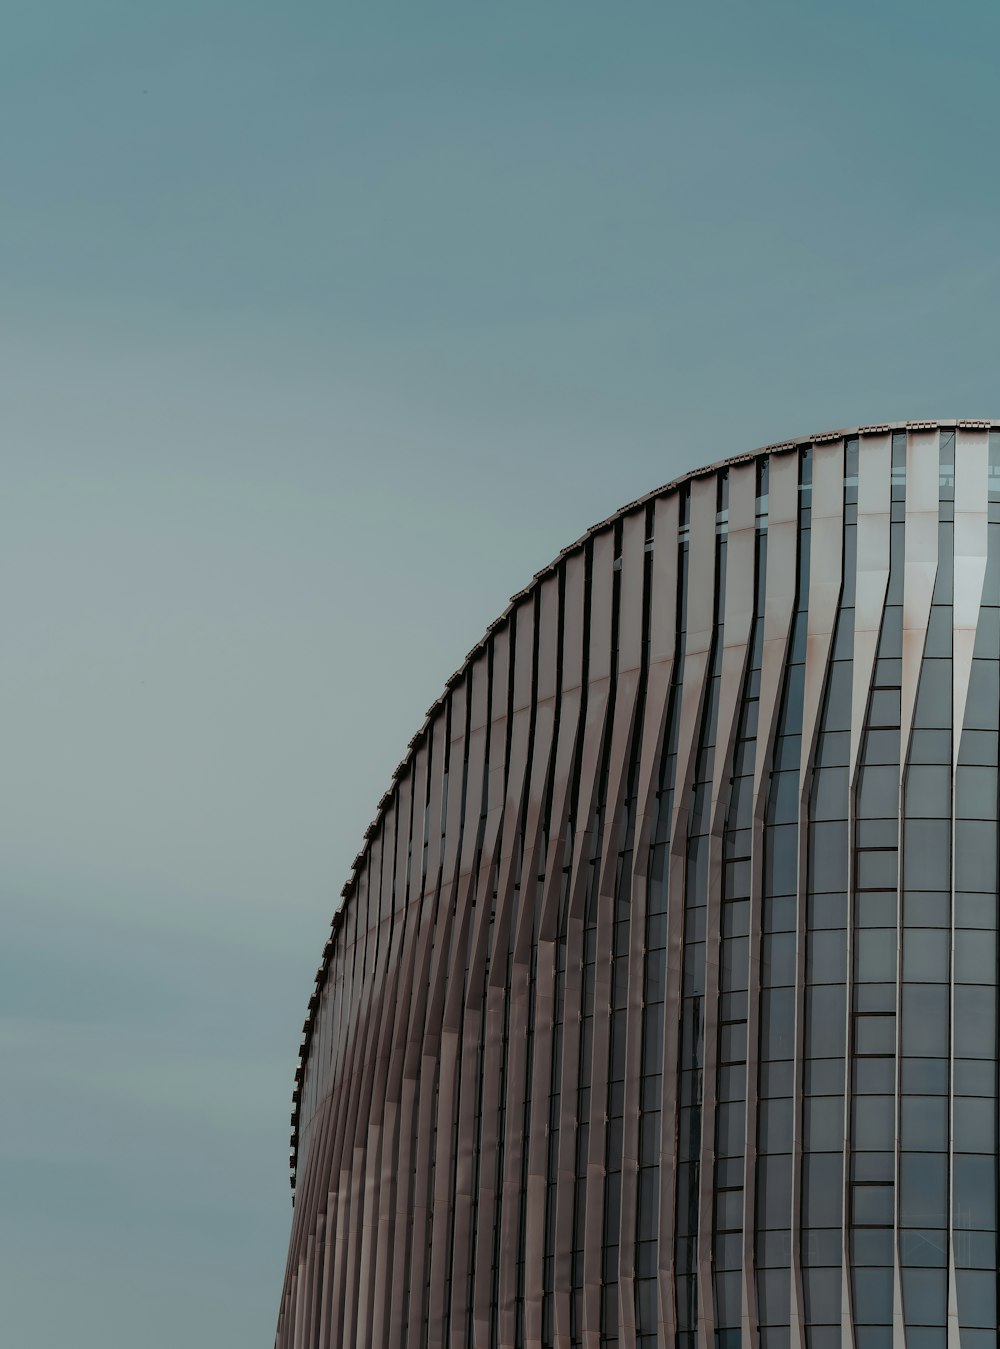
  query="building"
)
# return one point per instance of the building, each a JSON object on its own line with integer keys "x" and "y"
{"x": 661, "y": 1009}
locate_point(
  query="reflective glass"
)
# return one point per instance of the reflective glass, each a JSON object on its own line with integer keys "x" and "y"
{"x": 822, "y": 1189}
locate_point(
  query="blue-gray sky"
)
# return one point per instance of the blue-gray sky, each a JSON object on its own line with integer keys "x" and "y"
{"x": 322, "y": 327}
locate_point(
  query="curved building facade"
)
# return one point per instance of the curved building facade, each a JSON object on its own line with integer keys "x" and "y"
{"x": 662, "y": 1005}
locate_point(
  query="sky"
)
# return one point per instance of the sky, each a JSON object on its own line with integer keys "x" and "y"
{"x": 322, "y": 328}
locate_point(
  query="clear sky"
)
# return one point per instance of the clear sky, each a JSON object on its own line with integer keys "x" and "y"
{"x": 322, "y": 327}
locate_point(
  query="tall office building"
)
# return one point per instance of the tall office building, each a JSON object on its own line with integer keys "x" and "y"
{"x": 661, "y": 1008}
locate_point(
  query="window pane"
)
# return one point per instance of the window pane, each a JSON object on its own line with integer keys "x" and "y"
{"x": 976, "y": 793}
{"x": 975, "y": 1191}
{"x": 826, "y": 956}
{"x": 977, "y": 1298}
{"x": 925, "y": 1019}
{"x": 924, "y": 1123}
{"x": 926, "y": 954}
{"x": 822, "y": 1190}
{"x": 928, "y": 792}
{"x": 975, "y": 855}
{"x": 925, "y": 1297}
{"x": 975, "y": 1021}
{"x": 927, "y": 854}
{"x": 875, "y": 957}
{"x": 975, "y": 1124}
{"x": 923, "y": 1189}
{"x": 873, "y": 1295}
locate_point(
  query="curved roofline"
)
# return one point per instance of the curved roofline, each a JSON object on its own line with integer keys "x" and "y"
{"x": 404, "y": 765}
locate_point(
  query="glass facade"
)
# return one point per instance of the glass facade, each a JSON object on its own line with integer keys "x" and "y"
{"x": 662, "y": 1005}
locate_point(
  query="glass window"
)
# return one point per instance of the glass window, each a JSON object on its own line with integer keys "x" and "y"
{"x": 838, "y": 696}
{"x": 875, "y": 998}
{"x": 925, "y": 1020}
{"x": 884, "y": 709}
{"x": 872, "y": 1205}
{"x": 923, "y": 1189}
{"x": 925, "y": 1248}
{"x": 975, "y": 1077}
{"x": 975, "y": 910}
{"x": 821, "y": 1246}
{"x": 976, "y": 1250}
{"x": 823, "y": 1337}
{"x": 783, "y": 806}
{"x": 835, "y": 750}
{"x": 729, "y": 1210}
{"x": 777, "y": 1022}
{"x": 927, "y": 854}
{"x": 729, "y": 1173}
{"x": 977, "y": 1298}
{"x": 736, "y": 918}
{"x": 925, "y": 1077}
{"x": 934, "y": 693}
{"x": 825, "y": 1008}
{"x": 926, "y": 908}
{"x": 728, "y": 1299}
{"x": 728, "y": 1253}
{"x": 781, "y": 860}
{"x": 875, "y": 956}
{"x": 975, "y": 957}
{"x": 730, "y": 1129}
{"x": 876, "y": 833}
{"x": 824, "y": 1077}
{"x": 733, "y": 1083}
{"x": 778, "y": 959}
{"x": 975, "y": 1021}
{"x": 874, "y": 1122}
{"x": 975, "y": 855}
{"x": 975, "y": 1124}
{"x": 978, "y": 747}
{"x": 871, "y": 1246}
{"x": 822, "y": 1294}
{"x": 876, "y": 870}
{"x": 774, "y": 1190}
{"x": 938, "y": 640}
{"x": 873, "y": 1295}
{"x": 774, "y": 1337}
{"x": 773, "y": 1249}
{"x": 983, "y": 701}
{"x": 822, "y": 1189}
{"x": 824, "y": 1123}
{"x": 875, "y": 908}
{"x": 974, "y": 1192}
{"x": 930, "y": 747}
{"x": 976, "y": 793}
{"x": 876, "y": 1167}
{"x": 780, "y": 913}
{"x": 928, "y": 791}
{"x": 828, "y": 858}
{"x": 776, "y": 1079}
{"x": 826, "y": 956}
{"x": 929, "y": 1337}
{"x": 882, "y": 747}
{"x": 775, "y": 1127}
{"x": 827, "y": 911}
{"x": 879, "y": 793}
{"x": 875, "y": 1077}
{"x": 773, "y": 1297}
{"x": 988, "y": 633}
{"x": 875, "y": 1034}
{"x": 924, "y": 1123}
{"x": 925, "y": 1297}
{"x": 647, "y": 1303}
{"x": 926, "y": 954}
{"x": 830, "y": 794}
